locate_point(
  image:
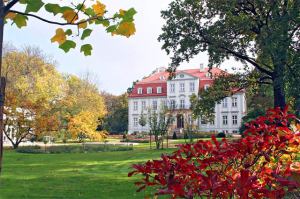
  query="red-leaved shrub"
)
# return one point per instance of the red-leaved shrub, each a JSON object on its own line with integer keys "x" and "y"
{"x": 263, "y": 164}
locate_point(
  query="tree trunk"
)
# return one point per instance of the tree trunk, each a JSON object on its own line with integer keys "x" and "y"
{"x": 2, "y": 82}
{"x": 278, "y": 86}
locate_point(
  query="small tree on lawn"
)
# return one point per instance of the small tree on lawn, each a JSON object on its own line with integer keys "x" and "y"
{"x": 159, "y": 124}
{"x": 142, "y": 120}
{"x": 189, "y": 127}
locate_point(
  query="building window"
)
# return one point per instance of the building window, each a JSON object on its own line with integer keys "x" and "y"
{"x": 149, "y": 90}
{"x": 143, "y": 105}
{"x": 203, "y": 121}
{"x": 212, "y": 122}
{"x": 158, "y": 89}
{"x": 235, "y": 132}
{"x": 182, "y": 103}
{"x": 206, "y": 86}
{"x": 164, "y": 103}
{"x": 192, "y": 86}
{"x": 234, "y": 119}
{"x": 181, "y": 87}
{"x": 140, "y": 90}
{"x": 135, "y": 106}
{"x": 173, "y": 104}
{"x": 154, "y": 105}
{"x": 172, "y": 88}
{"x": 224, "y": 103}
{"x": 234, "y": 102}
{"x": 135, "y": 122}
{"x": 225, "y": 120}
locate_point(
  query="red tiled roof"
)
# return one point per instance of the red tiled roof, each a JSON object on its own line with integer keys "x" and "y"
{"x": 160, "y": 80}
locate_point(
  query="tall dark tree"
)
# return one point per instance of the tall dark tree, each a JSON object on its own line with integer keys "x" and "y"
{"x": 261, "y": 34}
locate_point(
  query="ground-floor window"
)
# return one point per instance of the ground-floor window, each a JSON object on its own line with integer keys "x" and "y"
{"x": 135, "y": 122}
{"x": 234, "y": 120}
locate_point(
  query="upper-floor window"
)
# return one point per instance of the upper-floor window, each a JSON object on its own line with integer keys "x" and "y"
{"x": 206, "y": 86}
{"x": 181, "y": 88}
{"x": 149, "y": 90}
{"x": 140, "y": 90}
{"x": 135, "y": 106}
{"x": 158, "y": 89}
{"x": 224, "y": 103}
{"x": 182, "y": 103}
{"x": 192, "y": 86}
{"x": 225, "y": 120}
{"x": 143, "y": 105}
{"x": 172, "y": 104}
{"x": 172, "y": 88}
{"x": 135, "y": 121}
{"x": 234, "y": 102}
{"x": 234, "y": 119}
{"x": 154, "y": 105}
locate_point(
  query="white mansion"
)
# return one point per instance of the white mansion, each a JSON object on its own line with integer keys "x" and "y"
{"x": 156, "y": 91}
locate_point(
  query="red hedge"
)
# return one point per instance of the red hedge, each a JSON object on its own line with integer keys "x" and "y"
{"x": 262, "y": 164}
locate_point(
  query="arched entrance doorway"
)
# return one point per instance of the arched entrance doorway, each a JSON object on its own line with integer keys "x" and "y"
{"x": 180, "y": 121}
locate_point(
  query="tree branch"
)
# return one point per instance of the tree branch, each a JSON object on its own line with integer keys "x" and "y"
{"x": 9, "y": 6}
{"x": 60, "y": 23}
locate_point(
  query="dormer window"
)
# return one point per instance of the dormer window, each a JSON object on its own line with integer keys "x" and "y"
{"x": 140, "y": 90}
{"x": 208, "y": 75}
{"x": 159, "y": 90}
{"x": 149, "y": 90}
{"x": 162, "y": 78}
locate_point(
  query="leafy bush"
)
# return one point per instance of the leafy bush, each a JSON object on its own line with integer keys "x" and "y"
{"x": 221, "y": 135}
{"x": 263, "y": 164}
{"x": 74, "y": 148}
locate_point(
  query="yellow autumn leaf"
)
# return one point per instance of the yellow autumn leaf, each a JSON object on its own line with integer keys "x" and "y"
{"x": 70, "y": 16}
{"x": 82, "y": 25}
{"x": 122, "y": 12}
{"x": 99, "y": 9}
{"x": 126, "y": 29}
{"x": 10, "y": 15}
{"x": 59, "y": 37}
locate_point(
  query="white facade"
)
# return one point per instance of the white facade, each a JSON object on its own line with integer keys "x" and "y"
{"x": 228, "y": 114}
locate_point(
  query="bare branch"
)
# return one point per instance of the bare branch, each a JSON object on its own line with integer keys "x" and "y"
{"x": 9, "y": 6}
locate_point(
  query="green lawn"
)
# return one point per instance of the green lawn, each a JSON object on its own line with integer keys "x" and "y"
{"x": 71, "y": 176}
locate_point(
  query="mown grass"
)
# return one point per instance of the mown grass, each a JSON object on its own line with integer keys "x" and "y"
{"x": 68, "y": 176}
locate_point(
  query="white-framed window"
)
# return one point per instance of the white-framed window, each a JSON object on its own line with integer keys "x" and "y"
{"x": 192, "y": 86}
{"x": 149, "y": 90}
{"x": 172, "y": 88}
{"x": 225, "y": 120}
{"x": 203, "y": 121}
{"x": 172, "y": 104}
{"x": 164, "y": 103}
{"x": 234, "y": 120}
{"x": 224, "y": 103}
{"x": 135, "y": 106}
{"x": 135, "y": 122}
{"x": 181, "y": 87}
{"x": 182, "y": 103}
{"x": 208, "y": 75}
{"x": 212, "y": 122}
{"x": 158, "y": 90}
{"x": 143, "y": 105}
{"x": 234, "y": 102}
{"x": 154, "y": 105}
{"x": 235, "y": 132}
{"x": 140, "y": 90}
{"x": 206, "y": 86}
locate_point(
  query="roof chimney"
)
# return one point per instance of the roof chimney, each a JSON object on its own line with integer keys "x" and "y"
{"x": 201, "y": 67}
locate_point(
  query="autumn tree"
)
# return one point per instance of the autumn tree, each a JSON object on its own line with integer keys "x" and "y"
{"x": 116, "y": 119}
{"x": 82, "y": 16}
{"x": 80, "y": 109}
{"x": 260, "y": 34}
{"x": 33, "y": 86}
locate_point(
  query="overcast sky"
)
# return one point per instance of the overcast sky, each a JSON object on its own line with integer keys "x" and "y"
{"x": 116, "y": 61}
